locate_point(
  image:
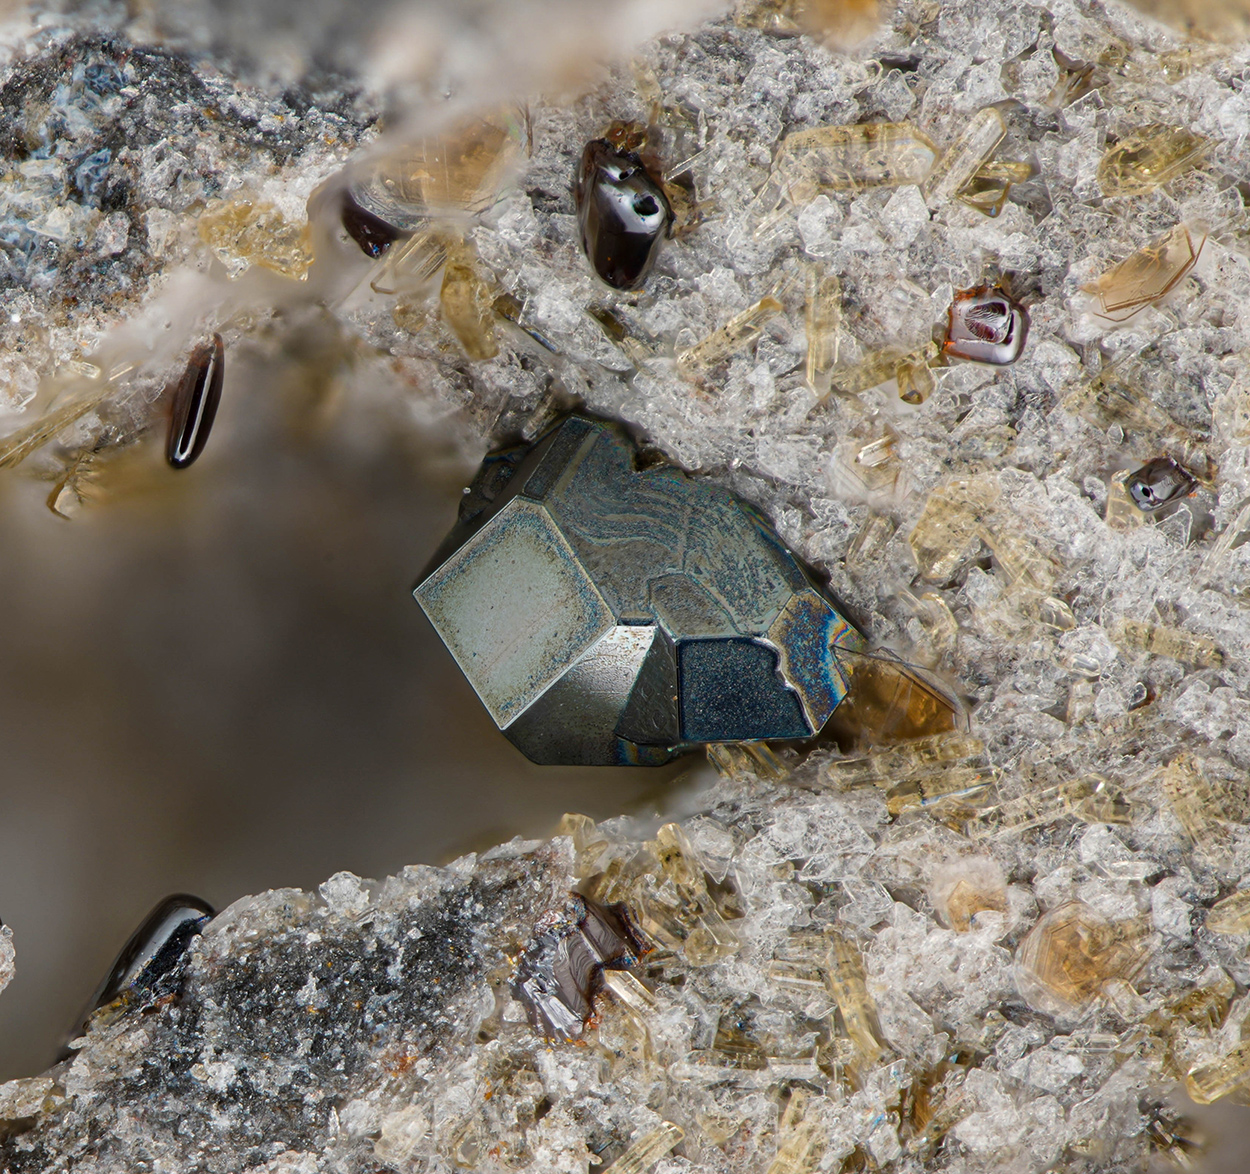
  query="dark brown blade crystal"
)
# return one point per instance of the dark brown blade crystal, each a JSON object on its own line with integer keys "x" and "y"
{"x": 195, "y": 403}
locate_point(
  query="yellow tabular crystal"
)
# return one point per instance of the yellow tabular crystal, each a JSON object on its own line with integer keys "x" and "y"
{"x": 952, "y": 787}
{"x": 845, "y": 970}
{"x": 466, "y": 301}
{"x": 681, "y": 914}
{"x": 1149, "y": 158}
{"x": 823, "y": 320}
{"x": 629, "y": 991}
{"x": 647, "y": 1150}
{"x": 877, "y": 368}
{"x": 870, "y": 154}
{"x": 840, "y": 158}
{"x": 894, "y": 764}
{"x": 965, "y": 156}
{"x": 916, "y": 380}
{"x": 736, "y": 335}
{"x": 1208, "y": 1083}
{"x": 244, "y": 232}
{"x": 890, "y": 701}
{"x": 18, "y": 445}
{"x": 1232, "y": 914}
{"x": 801, "y": 1143}
{"x": 1091, "y": 799}
{"x": 1160, "y": 640}
{"x": 733, "y": 759}
{"x": 589, "y": 843}
{"x": 1203, "y": 806}
{"x": 941, "y": 629}
{"x": 1148, "y": 275}
{"x": 837, "y": 22}
{"x": 459, "y": 171}
{"x": 1071, "y": 953}
{"x": 988, "y": 189}
{"x": 412, "y": 263}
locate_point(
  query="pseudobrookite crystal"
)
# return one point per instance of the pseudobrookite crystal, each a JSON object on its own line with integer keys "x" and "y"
{"x": 610, "y": 614}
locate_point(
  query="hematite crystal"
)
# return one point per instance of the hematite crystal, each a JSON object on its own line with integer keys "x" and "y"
{"x": 607, "y": 614}
{"x": 986, "y": 326}
{"x": 1158, "y": 482}
{"x": 153, "y": 951}
{"x": 622, "y": 213}
{"x": 559, "y": 972}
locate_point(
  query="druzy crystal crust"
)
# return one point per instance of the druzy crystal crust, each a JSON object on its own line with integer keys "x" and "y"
{"x": 610, "y": 614}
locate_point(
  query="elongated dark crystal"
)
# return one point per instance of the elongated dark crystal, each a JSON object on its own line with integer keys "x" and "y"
{"x": 195, "y": 403}
{"x": 151, "y": 953}
{"x": 622, "y": 214}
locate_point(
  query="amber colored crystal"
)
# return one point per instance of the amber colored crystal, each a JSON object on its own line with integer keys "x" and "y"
{"x": 1160, "y": 640}
{"x": 964, "y": 157}
{"x": 869, "y": 154}
{"x": 1121, "y": 513}
{"x": 949, "y": 527}
{"x": 457, "y": 172}
{"x": 869, "y": 541}
{"x": 839, "y": 23}
{"x": 1090, "y": 798}
{"x": 1148, "y": 158}
{"x": 962, "y": 888}
{"x": 247, "y": 232}
{"x": 466, "y": 302}
{"x": 1210, "y": 1082}
{"x": 916, "y": 380}
{"x": 890, "y": 701}
{"x": 1148, "y": 275}
{"x": 988, "y": 189}
{"x": 1071, "y": 953}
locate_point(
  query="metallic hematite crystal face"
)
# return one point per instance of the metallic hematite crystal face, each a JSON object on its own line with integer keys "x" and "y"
{"x": 610, "y": 615}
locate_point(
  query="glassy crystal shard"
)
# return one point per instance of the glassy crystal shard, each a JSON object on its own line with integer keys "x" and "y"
{"x": 965, "y": 156}
{"x": 455, "y": 173}
{"x": 647, "y": 1150}
{"x": 1231, "y": 915}
{"x": 1160, "y": 640}
{"x": 823, "y": 321}
{"x": 850, "y": 158}
{"x": 1149, "y": 158}
{"x": 466, "y": 302}
{"x": 966, "y": 887}
{"x": 1148, "y": 275}
{"x": 606, "y": 613}
{"x": 726, "y": 341}
{"x": 915, "y": 377}
{"x": 954, "y": 517}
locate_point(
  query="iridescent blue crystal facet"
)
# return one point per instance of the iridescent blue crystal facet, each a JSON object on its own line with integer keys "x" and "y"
{"x": 616, "y": 615}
